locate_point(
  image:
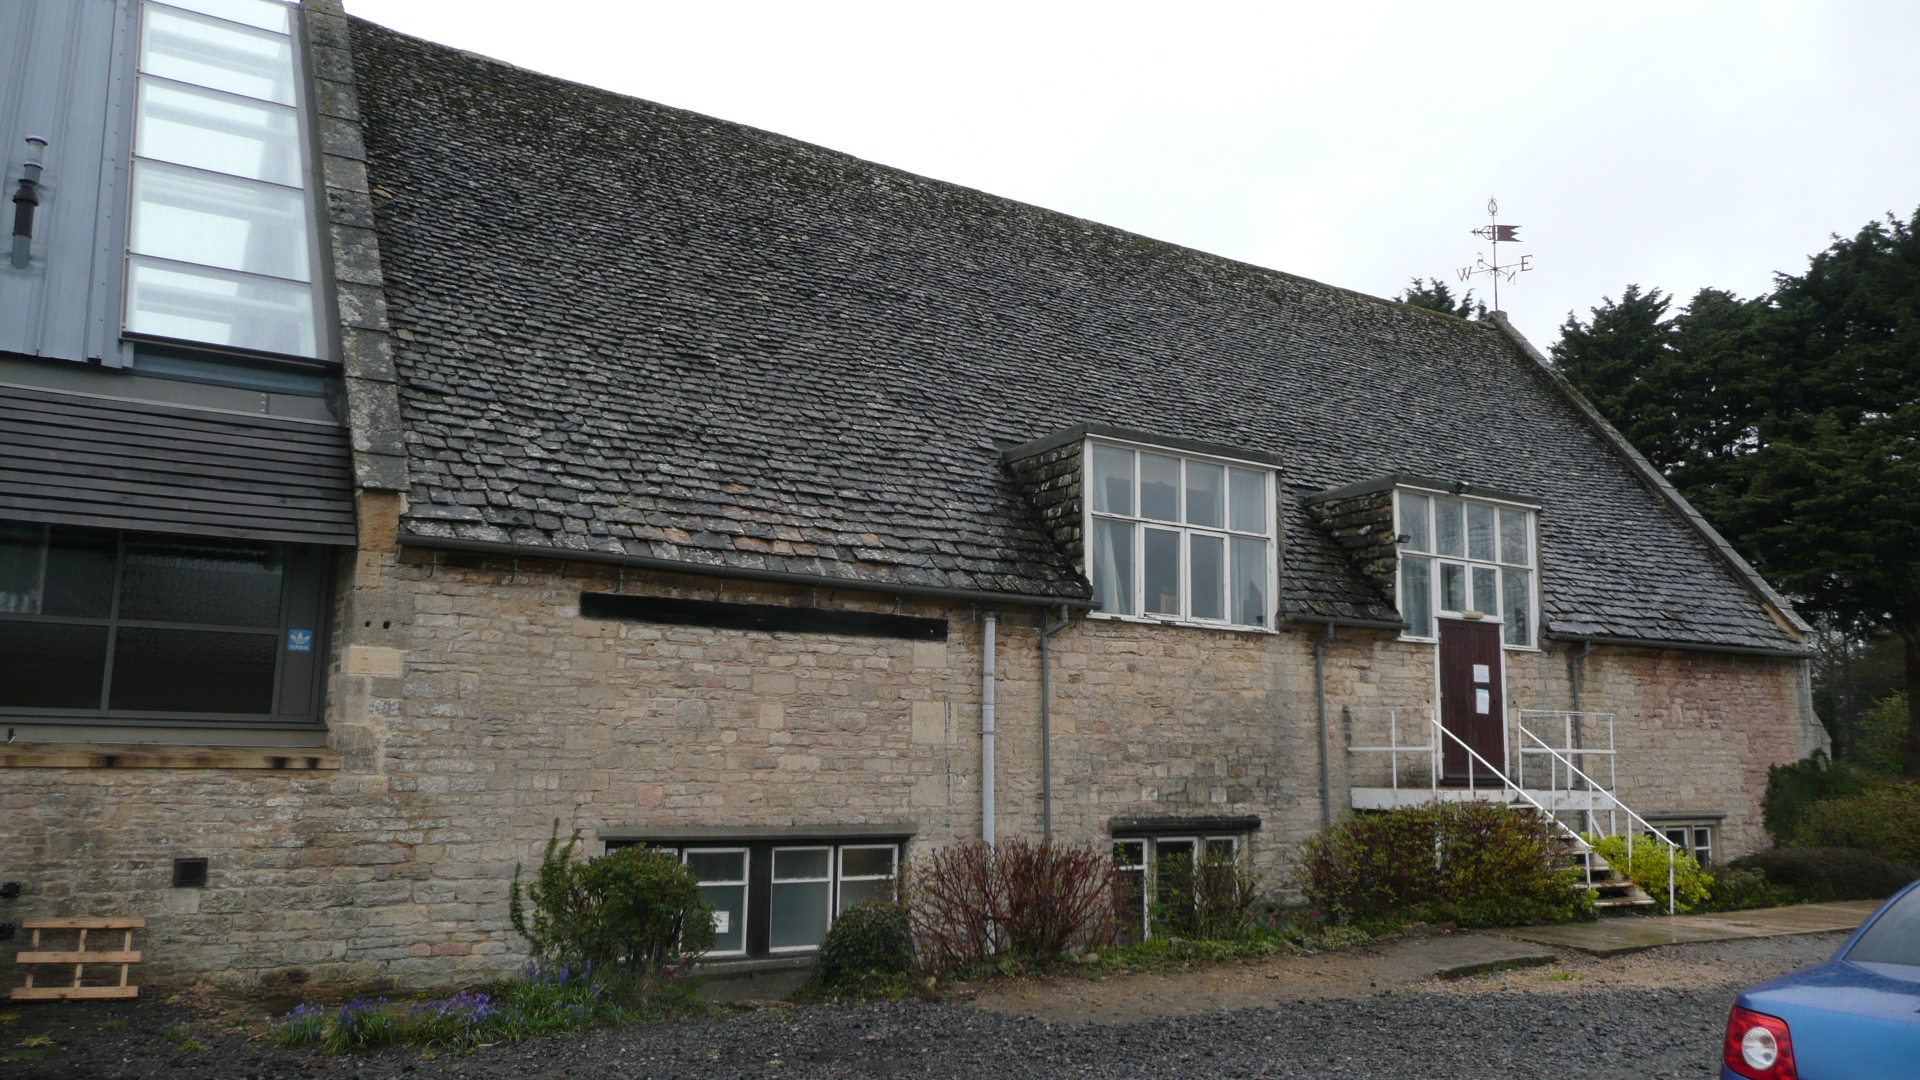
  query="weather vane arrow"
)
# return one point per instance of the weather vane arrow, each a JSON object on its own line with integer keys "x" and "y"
{"x": 1496, "y": 234}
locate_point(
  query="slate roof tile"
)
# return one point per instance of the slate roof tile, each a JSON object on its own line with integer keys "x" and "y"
{"x": 660, "y": 324}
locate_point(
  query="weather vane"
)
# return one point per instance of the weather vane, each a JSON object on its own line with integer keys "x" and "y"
{"x": 1496, "y": 234}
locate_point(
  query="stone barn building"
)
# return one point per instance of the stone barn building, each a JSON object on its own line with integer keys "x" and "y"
{"x": 402, "y": 452}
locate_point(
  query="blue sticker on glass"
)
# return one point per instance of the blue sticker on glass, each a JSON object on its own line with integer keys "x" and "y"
{"x": 299, "y": 641}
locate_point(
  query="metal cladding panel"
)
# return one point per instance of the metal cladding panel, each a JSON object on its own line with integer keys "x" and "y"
{"x": 63, "y": 78}
{"x": 114, "y": 463}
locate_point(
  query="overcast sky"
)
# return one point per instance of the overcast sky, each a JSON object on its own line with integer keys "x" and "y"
{"x": 1671, "y": 144}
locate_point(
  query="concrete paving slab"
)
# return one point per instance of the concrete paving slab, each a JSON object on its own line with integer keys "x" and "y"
{"x": 1613, "y": 937}
{"x": 1456, "y": 956}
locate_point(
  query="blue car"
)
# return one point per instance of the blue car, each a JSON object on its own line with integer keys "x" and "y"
{"x": 1855, "y": 1017}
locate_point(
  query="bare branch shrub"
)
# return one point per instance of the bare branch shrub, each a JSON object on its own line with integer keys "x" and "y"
{"x": 975, "y": 902}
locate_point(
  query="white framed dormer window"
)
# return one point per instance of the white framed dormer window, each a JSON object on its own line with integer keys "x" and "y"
{"x": 1180, "y": 537}
{"x": 1467, "y": 557}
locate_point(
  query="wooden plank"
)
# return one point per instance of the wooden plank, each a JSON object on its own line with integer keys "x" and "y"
{"x": 83, "y": 923}
{"x": 78, "y": 957}
{"x": 59, "y": 993}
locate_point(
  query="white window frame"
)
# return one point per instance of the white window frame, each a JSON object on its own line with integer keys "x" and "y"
{"x": 841, "y": 877}
{"x": 1435, "y": 560}
{"x": 1225, "y": 532}
{"x": 1693, "y": 831}
{"x": 774, "y": 881}
{"x": 745, "y": 883}
{"x": 1149, "y": 867}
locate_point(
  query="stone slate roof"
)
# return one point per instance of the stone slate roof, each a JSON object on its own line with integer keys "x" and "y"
{"x": 626, "y": 328}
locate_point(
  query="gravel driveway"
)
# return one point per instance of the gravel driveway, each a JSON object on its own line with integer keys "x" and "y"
{"x": 1590, "y": 1021}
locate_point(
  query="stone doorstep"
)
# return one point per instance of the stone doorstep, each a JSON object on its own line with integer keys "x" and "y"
{"x": 1622, "y": 935}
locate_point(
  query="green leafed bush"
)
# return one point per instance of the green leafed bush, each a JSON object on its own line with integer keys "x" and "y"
{"x": 632, "y": 914}
{"x": 1737, "y": 889}
{"x": 1213, "y": 898}
{"x": 1817, "y": 875}
{"x": 868, "y": 951}
{"x": 1793, "y": 790}
{"x": 1646, "y": 863}
{"x": 1476, "y": 864}
{"x": 1884, "y": 821}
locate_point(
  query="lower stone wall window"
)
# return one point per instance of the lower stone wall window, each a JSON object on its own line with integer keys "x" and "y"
{"x": 779, "y": 898}
{"x": 1695, "y": 840}
{"x": 1135, "y": 856}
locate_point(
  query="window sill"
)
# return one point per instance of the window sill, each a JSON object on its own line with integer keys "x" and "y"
{"x": 1142, "y": 620}
{"x": 111, "y": 756}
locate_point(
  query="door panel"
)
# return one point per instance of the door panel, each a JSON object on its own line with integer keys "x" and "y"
{"x": 1471, "y": 704}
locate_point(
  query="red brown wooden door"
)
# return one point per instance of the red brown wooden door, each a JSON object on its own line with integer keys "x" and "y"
{"x": 1470, "y": 701}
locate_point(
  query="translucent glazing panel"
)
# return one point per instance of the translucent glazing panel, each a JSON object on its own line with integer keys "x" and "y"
{"x": 1160, "y": 487}
{"x": 795, "y": 864}
{"x": 1413, "y": 521}
{"x": 1130, "y": 854}
{"x": 215, "y": 53}
{"x": 1249, "y": 581}
{"x": 1513, "y": 537}
{"x": 799, "y": 915}
{"x": 1206, "y": 494}
{"x": 1112, "y": 480}
{"x": 190, "y": 126}
{"x": 1113, "y": 565}
{"x": 1480, "y": 532}
{"x": 1517, "y": 585}
{"x": 265, "y": 14}
{"x": 220, "y": 308}
{"x": 23, "y": 568}
{"x": 711, "y": 866}
{"x": 1161, "y": 572}
{"x": 1207, "y": 571}
{"x": 1453, "y": 587}
{"x": 729, "y": 916}
{"x": 201, "y": 580}
{"x": 51, "y": 666}
{"x": 55, "y": 570}
{"x": 1416, "y": 595}
{"x": 866, "y": 861}
{"x": 219, "y": 221}
{"x": 193, "y": 671}
{"x": 1247, "y": 500}
{"x": 1450, "y": 526}
{"x": 859, "y": 890}
{"x": 1486, "y": 590}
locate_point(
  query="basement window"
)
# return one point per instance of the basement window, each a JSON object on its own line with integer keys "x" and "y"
{"x": 1146, "y": 863}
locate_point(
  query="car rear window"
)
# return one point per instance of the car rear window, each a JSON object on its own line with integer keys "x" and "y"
{"x": 1894, "y": 938}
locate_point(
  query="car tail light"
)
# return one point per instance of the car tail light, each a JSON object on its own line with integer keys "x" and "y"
{"x": 1759, "y": 1046}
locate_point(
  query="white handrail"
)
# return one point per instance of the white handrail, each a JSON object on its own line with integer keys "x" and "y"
{"x": 1672, "y": 856}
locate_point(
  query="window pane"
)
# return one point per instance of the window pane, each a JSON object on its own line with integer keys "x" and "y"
{"x": 866, "y": 862}
{"x": 219, "y": 221}
{"x": 193, "y": 671}
{"x": 265, "y": 14}
{"x": 190, "y": 126}
{"x": 1249, "y": 581}
{"x": 1161, "y": 572}
{"x": 1206, "y": 494}
{"x": 717, "y": 865}
{"x": 1113, "y": 565}
{"x": 56, "y": 570}
{"x": 1413, "y": 522}
{"x": 1247, "y": 491}
{"x": 858, "y": 891}
{"x": 208, "y": 52}
{"x": 801, "y": 863}
{"x": 220, "y": 308}
{"x": 1159, "y": 487}
{"x": 200, "y": 580}
{"x": 1480, "y": 532}
{"x": 1518, "y": 586}
{"x": 1450, "y": 526}
{"x": 1416, "y": 595}
{"x": 1513, "y": 537}
{"x": 51, "y": 666}
{"x": 1207, "y": 565}
{"x": 799, "y": 914}
{"x": 23, "y": 568}
{"x": 1486, "y": 593}
{"x": 1112, "y": 480}
{"x": 1453, "y": 587}
{"x": 729, "y": 916}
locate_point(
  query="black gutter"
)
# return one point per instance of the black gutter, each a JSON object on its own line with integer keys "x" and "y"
{"x": 784, "y": 577}
{"x": 1691, "y": 646}
{"x": 1341, "y": 620}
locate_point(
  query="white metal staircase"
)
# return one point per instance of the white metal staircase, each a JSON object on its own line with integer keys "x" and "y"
{"x": 1565, "y": 790}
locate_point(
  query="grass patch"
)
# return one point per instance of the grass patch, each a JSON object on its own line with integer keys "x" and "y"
{"x": 180, "y": 1037}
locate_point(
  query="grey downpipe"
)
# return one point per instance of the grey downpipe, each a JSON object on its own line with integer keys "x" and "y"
{"x": 1326, "y": 750}
{"x": 986, "y": 729}
{"x": 1046, "y": 724}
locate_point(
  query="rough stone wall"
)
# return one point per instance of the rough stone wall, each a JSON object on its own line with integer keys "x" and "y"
{"x": 1363, "y": 527}
{"x": 1052, "y": 481}
{"x": 473, "y": 708}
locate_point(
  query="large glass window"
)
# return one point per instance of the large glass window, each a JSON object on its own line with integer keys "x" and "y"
{"x": 722, "y": 875}
{"x": 802, "y": 897}
{"x": 1180, "y": 537}
{"x": 98, "y": 624}
{"x": 219, "y": 249}
{"x": 1461, "y": 557}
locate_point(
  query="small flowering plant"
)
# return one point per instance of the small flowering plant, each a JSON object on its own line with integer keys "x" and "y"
{"x": 300, "y": 1029}
{"x": 466, "y": 1019}
{"x": 361, "y": 1024}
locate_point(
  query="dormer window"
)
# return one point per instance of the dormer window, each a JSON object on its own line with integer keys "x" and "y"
{"x": 1180, "y": 537}
{"x": 1465, "y": 557}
